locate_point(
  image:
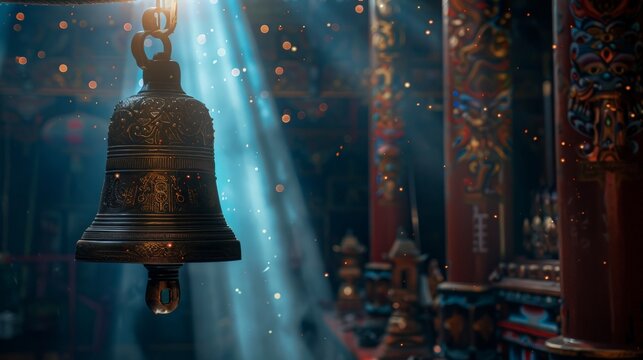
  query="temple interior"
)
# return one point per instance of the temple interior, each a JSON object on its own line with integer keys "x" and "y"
{"x": 390, "y": 179}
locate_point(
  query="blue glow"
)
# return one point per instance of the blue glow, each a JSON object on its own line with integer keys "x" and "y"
{"x": 262, "y": 299}
{"x": 265, "y": 306}
{"x": 3, "y": 31}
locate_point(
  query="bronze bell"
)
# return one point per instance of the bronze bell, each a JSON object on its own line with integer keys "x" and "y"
{"x": 160, "y": 205}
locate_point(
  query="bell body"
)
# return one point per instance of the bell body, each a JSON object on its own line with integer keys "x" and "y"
{"x": 160, "y": 203}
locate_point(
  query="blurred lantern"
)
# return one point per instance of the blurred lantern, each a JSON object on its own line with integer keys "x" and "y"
{"x": 348, "y": 298}
{"x": 377, "y": 277}
{"x": 159, "y": 206}
{"x": 378, "y": 283}
{"x": 404, "y": 334}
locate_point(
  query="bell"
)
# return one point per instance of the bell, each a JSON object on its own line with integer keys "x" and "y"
{"x": 160, "y": 205}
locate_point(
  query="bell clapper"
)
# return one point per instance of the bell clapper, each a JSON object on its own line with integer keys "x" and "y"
{"x": 163, "y": 291}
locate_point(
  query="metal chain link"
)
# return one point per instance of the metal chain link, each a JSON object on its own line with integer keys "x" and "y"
{"x": 152, "y": 26}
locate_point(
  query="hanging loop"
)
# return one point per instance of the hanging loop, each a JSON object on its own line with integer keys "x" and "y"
{"x": 152, "y": 22}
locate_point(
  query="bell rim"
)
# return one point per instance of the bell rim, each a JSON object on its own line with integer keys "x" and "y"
{"x": 158, "y": 251}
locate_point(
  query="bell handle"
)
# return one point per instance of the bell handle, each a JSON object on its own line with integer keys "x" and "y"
{"x": 151, "y": 22}
{"x": 138, "y": 49}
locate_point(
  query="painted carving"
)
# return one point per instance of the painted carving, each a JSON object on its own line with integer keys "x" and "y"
{"x": 454, "y": 327}
{"x": 386, "y": 93}
{"x": 479, "y": 230}
{"x": 606, "y": 95}
{"x": 484, "y": 327}
{"x": 478, "y": 43}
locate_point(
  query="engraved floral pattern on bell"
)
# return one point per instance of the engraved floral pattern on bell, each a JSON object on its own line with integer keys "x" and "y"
{"x": 156, "y": 120}
{"x": 158, "y": 193}
{"x": 160, "y": 185}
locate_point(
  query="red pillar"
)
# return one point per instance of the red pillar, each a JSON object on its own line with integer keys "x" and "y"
{"x": 477, "y": 140}
{"x": 388, "y": 199}
{"x": 599, "y": 114}
{"x": 477, "y": 136}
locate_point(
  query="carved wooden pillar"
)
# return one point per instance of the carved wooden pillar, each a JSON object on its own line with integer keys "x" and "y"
{"x": 599, "y": 118}
{"x": 477, "y": 168}
{"x": 477, "y": 136}
{"x": 388, "y": 199}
